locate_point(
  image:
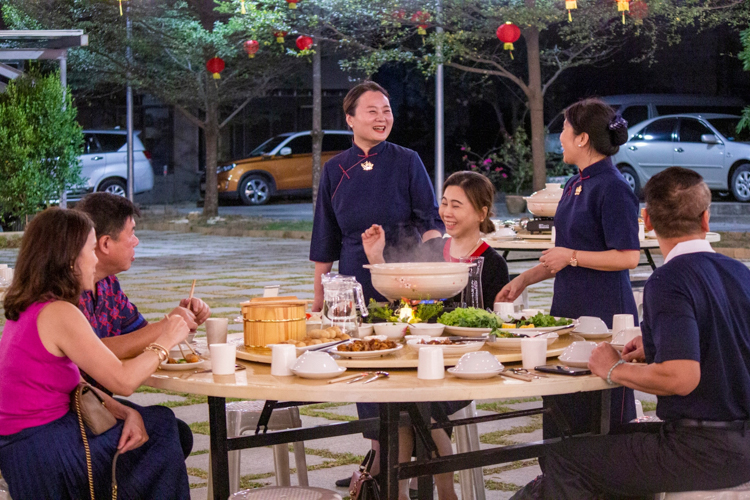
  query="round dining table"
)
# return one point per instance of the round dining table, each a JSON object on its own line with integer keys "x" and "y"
{"x": 254, "y": 381}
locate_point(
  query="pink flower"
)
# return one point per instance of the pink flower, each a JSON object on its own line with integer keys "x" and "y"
{"x": 487, "y": 161}
{"x": 463, "y": 149}
{"x": 498, "y": 169}
{"x": 464, "y": 158}
{"x": 505, "y": 176}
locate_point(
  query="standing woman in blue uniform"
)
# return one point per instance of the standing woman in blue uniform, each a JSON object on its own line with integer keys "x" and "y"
{"x": 596, "y": 242}
{"x": 373, "y": 182}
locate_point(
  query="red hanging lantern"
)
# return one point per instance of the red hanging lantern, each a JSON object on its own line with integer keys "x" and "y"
{"x": 304, "y": 42}
{"x": 399, "y": 14}
{"x": 215, "y": 66}
{"x": 638, "y": 10}
{"x": 570, "y": 5}
{"x": 292, "y": 3}
{"x": 421, "y": 18}
{"x": 623, "y": 6}
{"x": 280, "y": 36}
{"x": 508, "y": 33}
{"x": 251, "y": 47}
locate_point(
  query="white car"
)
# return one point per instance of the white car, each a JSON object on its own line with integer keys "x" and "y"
{"x": 104, "y": 164}
{"x": 705, "y": 142}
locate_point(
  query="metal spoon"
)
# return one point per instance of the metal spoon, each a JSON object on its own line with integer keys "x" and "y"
{"x": 376, "y": 376}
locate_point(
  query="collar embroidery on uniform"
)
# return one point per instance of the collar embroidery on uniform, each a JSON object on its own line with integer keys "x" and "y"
{"x": 345, "y": 173}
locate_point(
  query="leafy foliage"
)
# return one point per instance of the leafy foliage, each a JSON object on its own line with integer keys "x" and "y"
{"x": 40, "y": 140}
{"x": 745, "y": 58}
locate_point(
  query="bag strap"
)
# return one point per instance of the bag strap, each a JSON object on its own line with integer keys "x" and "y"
{"x": 89, "y": 469}
{"x": 368, "y": 461}
{"x": 114, "y": 476}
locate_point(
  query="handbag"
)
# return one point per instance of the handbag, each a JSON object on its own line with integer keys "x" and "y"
{"x": 94, "y": 415}
{"x": 363, "y": 486}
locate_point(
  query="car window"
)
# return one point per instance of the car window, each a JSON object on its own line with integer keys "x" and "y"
{"x": 111, "y": 142}
{"x": 90, "y": 144}
{"x": 336, "y": 142}
{"x": 676, "y": 109}
{"x": 268, "y": 146}
{"x": 300, "y": 145}
{"x": 728, "y": 128}
{"x": 635, "y": 114}
{"x": 691, "y": 130}
{"x": 660, "y": 130}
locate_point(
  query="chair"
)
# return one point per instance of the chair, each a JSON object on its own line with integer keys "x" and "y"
{"x": 243, "y": 416}
{"x": 4, "y": 494}
{"x": 287, "y": 493}
{"x": 467, "y": 439}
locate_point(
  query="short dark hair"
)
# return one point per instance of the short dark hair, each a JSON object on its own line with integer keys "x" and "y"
{"x": 352, "y": 97}
{"x": 676, "y": 199}
{"x": 480, "y": 192}
{"x": 606, "y": 132}
{"x": 45, "y": 267}
{"x": 108, "y": 211}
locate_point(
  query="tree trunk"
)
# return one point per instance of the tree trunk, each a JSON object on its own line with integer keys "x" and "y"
{"x": 317, "y": 122}
{"x": 536, "y": 107}
{"x": 211, "y": 134}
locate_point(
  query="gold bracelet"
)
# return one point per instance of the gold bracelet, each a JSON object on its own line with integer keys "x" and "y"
{"x": 161, "y": 348}
{"x": 158, "y": 352}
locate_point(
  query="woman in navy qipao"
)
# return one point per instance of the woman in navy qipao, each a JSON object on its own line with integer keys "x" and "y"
{"x": 596, "y": 226}
{"x": 373, "y": 182}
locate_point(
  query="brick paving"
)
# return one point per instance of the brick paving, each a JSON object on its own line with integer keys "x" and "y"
{"x": 230, "y": 270}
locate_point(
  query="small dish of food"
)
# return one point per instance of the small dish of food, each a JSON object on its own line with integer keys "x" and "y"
{"x": 449, "y": 347}
{"x": 318, "y": 338}
{"x": 511, "y": 341}
{"x": 189, "y": 362}
{"x": 358, "y": 349}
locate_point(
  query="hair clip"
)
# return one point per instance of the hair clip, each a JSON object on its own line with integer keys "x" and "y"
{"x": 618, "y": 122}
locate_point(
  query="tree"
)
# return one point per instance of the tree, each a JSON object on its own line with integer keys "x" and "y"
{"x": 745, "y": 58}
{"x": 171, "y": 44}
{"x": 40, "y": 140}
{"x": 385, "y": 31}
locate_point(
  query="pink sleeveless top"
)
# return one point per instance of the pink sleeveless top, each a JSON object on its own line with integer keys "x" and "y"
{"x": 35, "y": 385}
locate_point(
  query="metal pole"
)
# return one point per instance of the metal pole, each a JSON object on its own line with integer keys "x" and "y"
{"x": 64, "y": 85}
{"x": 129, "y": 108}
{"x": 439, "y": 115}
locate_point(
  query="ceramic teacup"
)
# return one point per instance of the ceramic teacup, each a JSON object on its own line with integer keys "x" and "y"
{"x": 626, "y": 335}
{"x": 591, "y": 324}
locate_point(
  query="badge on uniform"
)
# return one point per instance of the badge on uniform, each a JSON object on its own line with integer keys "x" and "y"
{"x": 578, "y": 190}
{"x": 367, "y": 166}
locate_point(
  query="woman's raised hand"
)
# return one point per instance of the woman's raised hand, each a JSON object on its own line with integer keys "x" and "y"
{"x": 175, "y": 330}
{"x": 512, "y": 290}
{"x": 373, "y": 242}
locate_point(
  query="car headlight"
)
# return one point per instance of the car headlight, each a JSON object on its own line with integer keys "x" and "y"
{"x": 225, "y": 168}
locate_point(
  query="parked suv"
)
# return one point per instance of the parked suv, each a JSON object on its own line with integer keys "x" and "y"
{"x": 281, "y": 165}
{"x": 707, "y": 143}
{"x": 636, "y": 108}
{"x": 104, "y": 163}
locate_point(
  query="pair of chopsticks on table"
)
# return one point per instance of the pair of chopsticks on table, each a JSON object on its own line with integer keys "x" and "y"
{"x": 190, "y": 302}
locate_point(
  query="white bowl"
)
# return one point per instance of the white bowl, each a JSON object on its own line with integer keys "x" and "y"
{"x": 591, "y": 324}
{"x": 419, "y": 280}
{"x": 578, "y": 352}
{"x": 431, "y": 329}
{"x": 478, "y": 362}
{"x": 315, "y": 362}
{"x": 390, "y": 330}
{"x": 364, "y": 330}
{"x": 626, "y": 335}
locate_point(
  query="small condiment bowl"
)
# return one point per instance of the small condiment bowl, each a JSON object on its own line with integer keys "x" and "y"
{"x": 431, "y": 329}
{"x": 393, "y": 331}
{"x": 364, "y": 330}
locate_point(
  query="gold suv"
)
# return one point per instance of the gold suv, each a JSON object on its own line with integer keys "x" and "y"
{"x": 281, "y": 165}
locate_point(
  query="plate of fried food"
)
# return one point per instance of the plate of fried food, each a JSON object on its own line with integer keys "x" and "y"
{"x": 449, "y": 347}
{"x": 189, "y": 362}
{"x": 359, "y": 349}
{"x": 319, "y": 338}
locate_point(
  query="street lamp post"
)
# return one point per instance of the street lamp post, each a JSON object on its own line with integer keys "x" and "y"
{"x": 129, "y": 108}
{"x": 439, "y": 114}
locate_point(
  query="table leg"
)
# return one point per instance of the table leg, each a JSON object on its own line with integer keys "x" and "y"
{"x": 605, "y": 408}
{"x": 649, "y": 259}
{"x": 424, "y": 483}
{"x": 389, "y": 417}
{"x": 217, "y": 417}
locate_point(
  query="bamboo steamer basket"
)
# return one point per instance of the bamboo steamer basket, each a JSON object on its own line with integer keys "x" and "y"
{"x": 270, "y": 320}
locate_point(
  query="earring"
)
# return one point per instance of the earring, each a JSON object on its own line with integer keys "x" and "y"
{"x": 580, "y": 145}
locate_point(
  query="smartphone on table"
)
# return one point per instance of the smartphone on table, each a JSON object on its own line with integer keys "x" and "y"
{"x": 563, "y": 370}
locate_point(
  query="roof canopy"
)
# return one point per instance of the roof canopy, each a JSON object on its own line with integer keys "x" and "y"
{"x": 39, "y": 44}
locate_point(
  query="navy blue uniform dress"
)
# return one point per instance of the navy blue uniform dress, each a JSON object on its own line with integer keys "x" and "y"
{"x": 389, "y": 186}
{"x": 597, "y": 212}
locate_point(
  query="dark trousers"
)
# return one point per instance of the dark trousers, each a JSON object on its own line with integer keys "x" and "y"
{"x": 183, "y": 429}
{"x": 643, "y": 460}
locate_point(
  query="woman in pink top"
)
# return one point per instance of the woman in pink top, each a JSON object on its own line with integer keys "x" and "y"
{"x": 45, "y": 342}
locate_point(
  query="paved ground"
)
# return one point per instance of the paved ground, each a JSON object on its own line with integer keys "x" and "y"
{"x": 230, "y": 270}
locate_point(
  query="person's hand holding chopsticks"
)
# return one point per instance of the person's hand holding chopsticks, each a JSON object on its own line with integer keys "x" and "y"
{"x": 201, "y": 311}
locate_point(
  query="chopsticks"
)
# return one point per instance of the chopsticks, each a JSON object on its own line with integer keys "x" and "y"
{"x": 347, "y": 377}
{"x": 190, "y": 298}
{"x": 510, "y": 374}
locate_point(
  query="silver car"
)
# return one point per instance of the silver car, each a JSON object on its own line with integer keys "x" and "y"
{"x": 705, "y": 142}
{"x": 104, "y": 164}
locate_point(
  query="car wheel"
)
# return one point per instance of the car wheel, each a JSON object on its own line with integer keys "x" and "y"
{"x": 740, "y": 185}
{"x": 631, "y": 178}
{"x": 114, "y": 186}
{"x": 255, "y": 190}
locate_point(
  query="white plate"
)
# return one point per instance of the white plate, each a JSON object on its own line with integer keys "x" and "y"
{"x": 182, "y": 366}
{"x": 449, "y": 350}
{"x": 529, "y": 236}
{"x": 589, "y": 336}
{"x": 324, "y": 344}
{"x": 474, "y": 376}
{"x": 575, "y": 364}
{"x": 364, "y": 354}
{"x": 514, "y": 344}
{"x": 466, "y": 331}
{"x": 341, "y": 370}
{"x": 518, "y": 316}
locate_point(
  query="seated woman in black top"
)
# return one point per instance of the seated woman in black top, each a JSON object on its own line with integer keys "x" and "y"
{"x": 465, "y": 209}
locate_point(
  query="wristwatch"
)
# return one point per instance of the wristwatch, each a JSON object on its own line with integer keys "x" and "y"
{"x": 573, "y": 259}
